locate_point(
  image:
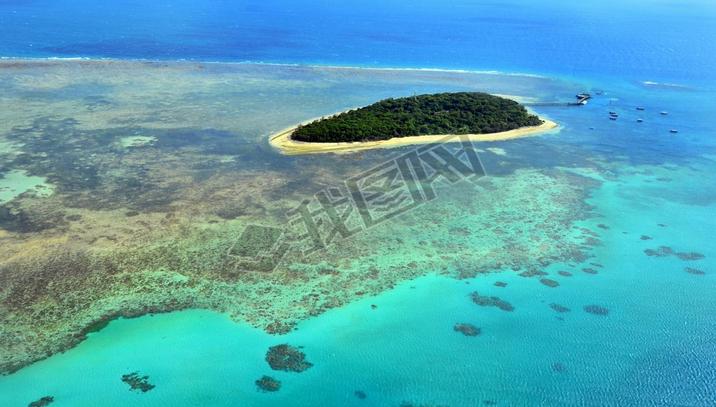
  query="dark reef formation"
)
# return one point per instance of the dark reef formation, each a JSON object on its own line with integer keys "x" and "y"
{"x": 137, "y": 382}
{"x": 442, "y": 113}
{"x": 694, "y": 271}
{"x": 268, "y": 384}
{"x": 411, "y": 404}
{"x": 559, "y": 308}
{"x": 360, "y": 394}
{"x": 549, "y": 282}
{"x": 487, "y": 301}
{"x": 287, "y": 358}
{"x": 690, "y": 256}
{"x": 596, "y": 310}
{"x": 532, "y": 273}
{"x": 664, "y": 251}
{"x": 42, "y": 402}
{"x": 467, "y": 329}
{"x": 280, "y": 327}
{"x": 661, "y": 251}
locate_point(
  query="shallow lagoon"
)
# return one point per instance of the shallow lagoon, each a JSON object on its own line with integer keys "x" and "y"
{"x": 629, "y": 187}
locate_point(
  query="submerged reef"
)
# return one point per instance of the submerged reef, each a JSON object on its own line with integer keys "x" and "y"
{"x": 549, "y": 282}
{"x": 487, "y": 301}
{"x": 287, "y": 358}
{"x": 694, "y": 271}
{"x": 596, "y": 310}
{"x": 559, "y": 308}
{"x": 467, "y": 329}
{"x": 664, "y": 251}
{"x": 42, "y": 402}
{"x": 532, "y": 273}
{"x": 137, "y": 382}
{"x": 690, "y": 256}
{"x": 146, "y": 208}
{"x": 268, "y": 384}
{"x": 661, "y": 251}
{"x": 410, "y": 404}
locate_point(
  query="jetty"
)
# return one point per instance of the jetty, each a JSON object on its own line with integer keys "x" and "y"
{"x": 582, "y": 99}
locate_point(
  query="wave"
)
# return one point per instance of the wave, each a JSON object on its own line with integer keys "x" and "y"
{"x": 665, "y": 85}
{"x": 307, "y": 65}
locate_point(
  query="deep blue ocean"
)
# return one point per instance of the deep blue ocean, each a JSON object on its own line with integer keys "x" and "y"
{"x": 656, "y": 346}
{"x": 660, "y": 40}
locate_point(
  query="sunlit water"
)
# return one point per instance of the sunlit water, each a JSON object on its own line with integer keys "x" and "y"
{"x": 652, "y": 188}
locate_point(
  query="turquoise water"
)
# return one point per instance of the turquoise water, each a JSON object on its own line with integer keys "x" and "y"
{"x": 656, "y": 345}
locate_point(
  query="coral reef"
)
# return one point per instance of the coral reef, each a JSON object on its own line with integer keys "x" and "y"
{"x": 467, "y": 329}
{"x": 664, "y": 251}
{"x": 549, "y": 282}
{"x": 137, "y": 382}
{"x": 661, "y": 251}
{"x": 42, "y": 402}
{"x": 559, "y": 308}
{"x": 694, "y": 271}
{"x": 690, "y": 256}
{"x": 596, "y": 310}
{"x": 148, "y": 227}
{"x": 487, "y": 301}
{"x": 268, "y": 384}
{"x": 532, "y": 273}
{"x": 360, "y": 394}
{"x": 287, "y": 358}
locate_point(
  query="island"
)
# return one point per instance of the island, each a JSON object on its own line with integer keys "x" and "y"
{"x": 419, "y": 119}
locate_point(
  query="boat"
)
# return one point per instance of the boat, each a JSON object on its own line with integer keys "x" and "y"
{"x": 673, "y": 131}
{"x": 640, "y": 108}
{"x": 639, "y": 120}
{"x": 664, "y": 113}
{"x": 583, "y": 98}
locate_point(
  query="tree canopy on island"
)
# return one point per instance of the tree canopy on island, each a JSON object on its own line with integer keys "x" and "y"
{"x": 442, "y": 113}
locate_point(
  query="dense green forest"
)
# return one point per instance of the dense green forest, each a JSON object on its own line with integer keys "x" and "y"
{"x": 442, "y": 113}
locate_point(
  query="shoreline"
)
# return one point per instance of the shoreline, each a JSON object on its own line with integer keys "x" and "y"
{"x": 284, "y": 144}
